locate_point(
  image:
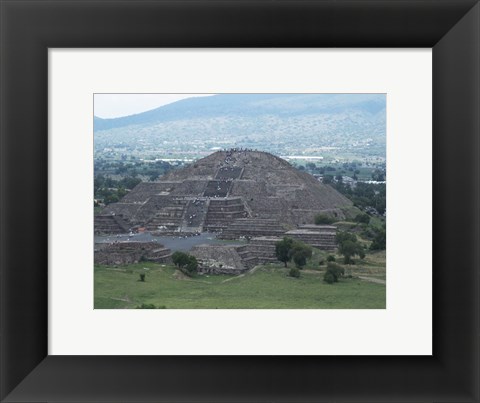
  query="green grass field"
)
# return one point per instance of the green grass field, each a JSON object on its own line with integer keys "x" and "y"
{"x": 267, "y": 287}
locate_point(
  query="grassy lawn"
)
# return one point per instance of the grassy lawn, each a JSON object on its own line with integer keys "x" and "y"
{"x": 268, "y": 287}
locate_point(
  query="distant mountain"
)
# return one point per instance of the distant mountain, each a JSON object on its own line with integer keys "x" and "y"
{"x": 263, "y": 120}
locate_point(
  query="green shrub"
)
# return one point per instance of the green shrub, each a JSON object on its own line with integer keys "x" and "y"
{"x": 333, "y": 273}
{"x": 142, "y": 277}
{"x": 330, "y": 258}
{"x": 336, "y": 270}
{"x": 329, "y": 278}
{"x": 321, "y": 262}
{"x": 294, "y": 272}
{"x": 380, "y": 240}
{"x": 146, "y": 306}
{"x": 323, "y": 219}
{"x": 368, "y": 233}
{"x": 362, "y": 218}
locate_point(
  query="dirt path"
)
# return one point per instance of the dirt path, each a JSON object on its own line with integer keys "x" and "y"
{"x": 125, "y": 299}
{"x": 242, "y": 275}
{"x": 373, "y": 280}
{"x": 178, "y": 275}
{"x": 312, "y": 271}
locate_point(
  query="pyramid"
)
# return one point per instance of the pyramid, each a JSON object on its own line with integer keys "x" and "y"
{"x": 236, "y": 189}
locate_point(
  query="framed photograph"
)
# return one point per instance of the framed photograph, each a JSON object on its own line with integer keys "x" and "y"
{"x": 242, "y": 161}
{"x": 219, "y": 201}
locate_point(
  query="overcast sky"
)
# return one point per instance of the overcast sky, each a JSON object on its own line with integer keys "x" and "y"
{"x": 116, "y": 105}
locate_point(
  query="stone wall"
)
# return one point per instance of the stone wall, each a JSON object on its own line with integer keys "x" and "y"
{"x": 123, "y": 253}
{"x": 110, "y": 224}
{"x": 318, "y": 236}
{"x": 218, "y": 259}
{"x": 259, "y": 250}
{"x": 252, "y": 227}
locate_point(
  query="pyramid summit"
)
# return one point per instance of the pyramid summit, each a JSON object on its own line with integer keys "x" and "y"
{"x": 228, "y": 189}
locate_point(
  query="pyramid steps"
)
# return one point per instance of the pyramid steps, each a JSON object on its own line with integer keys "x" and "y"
{"x": 110, "y": 224}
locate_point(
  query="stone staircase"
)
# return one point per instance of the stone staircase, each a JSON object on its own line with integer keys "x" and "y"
{"x": 229, "y": 173}
{"x": 169, "y": 217}
{"x": 217, "y": 188}
{"x": 222, "y": 212}
{"x": 195, "y": 214}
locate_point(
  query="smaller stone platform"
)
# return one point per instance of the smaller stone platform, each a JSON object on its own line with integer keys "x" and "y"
{"x": 218, "y": 259}
{"x": 122, "y": 253}
{"x": 109, "y": 224}
{"x": 318, "y": 236}
{"x": 252, "y": 227}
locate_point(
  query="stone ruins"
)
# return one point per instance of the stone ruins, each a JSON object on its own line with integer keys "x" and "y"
{"x": 239, "y": 194}
{"x": 121, "y": 253}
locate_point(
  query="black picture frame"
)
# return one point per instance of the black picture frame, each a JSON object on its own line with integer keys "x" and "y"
{"x": 29, "y": 28}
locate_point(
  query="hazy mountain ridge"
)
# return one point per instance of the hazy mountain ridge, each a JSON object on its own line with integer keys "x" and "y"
{"x": 273, "y": 122}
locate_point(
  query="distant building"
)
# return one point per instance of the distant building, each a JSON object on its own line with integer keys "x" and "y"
{"x": 347, "y": 180}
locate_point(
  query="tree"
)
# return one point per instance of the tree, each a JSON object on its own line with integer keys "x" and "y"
{"x": 333, "y": 273}
{"x": 282, "y": 250}
{"x": 288, "y": 249}
{"x": 192, "y": 265}
{"x": 380, "y": 240}
{"x": 330, "y": 258}
{"x": 179, "y": 259}
{"x": 300, "y": 252}
{"x": 327, "y": 179}
{"x": 349, "y": 249}
{"x": 362, "y": 218}
{"x": 188, "y": 264}
{"x": 348, "y": 246}
{"x": 343, "y": 236}
{"x": 153, "y": 177}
